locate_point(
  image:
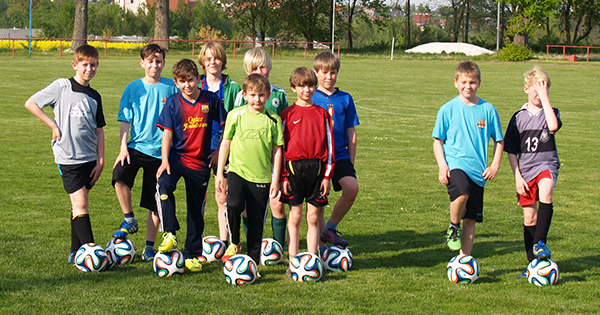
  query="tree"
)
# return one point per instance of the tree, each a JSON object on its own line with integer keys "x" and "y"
{"x": 578, "y": 18}
{"x": 80, "y": 25}
{"x": 208, "y": 15}
{"x": 308, "y": 19}
{"x": 257, "y": 17}
{"x": 182, "y": 19}
{"x": 353, "y": 8}
{"x": 526, "y": 16}
{"x": 161, "y": 23}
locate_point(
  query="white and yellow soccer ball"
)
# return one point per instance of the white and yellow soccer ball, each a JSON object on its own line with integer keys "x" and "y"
{"x": 121, "y": 251}
{"x": 306, "y": 267}
{"x": 463, "y": 269}
{"x": 542, "y": 272}
{"x": 91, "y": 258}
{"x": 240, "y": 269}
{"x": 271, "y": 252}
{"x": 169, "y": 264}
{"x": 338, "y": 258}
{"x": 213, "y": 249}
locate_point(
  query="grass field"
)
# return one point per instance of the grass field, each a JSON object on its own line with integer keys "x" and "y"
{"x": 395, "y": 227}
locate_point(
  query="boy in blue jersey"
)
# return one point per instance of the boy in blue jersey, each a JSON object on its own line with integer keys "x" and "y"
{"x": 141, "y": 104}
{"x": 533, "y": 157}
{"x": 186, "y": 121}
{"x": 340, "y": 106}
{"x": 462, "y": 132}
{"x": 77, "y": 137}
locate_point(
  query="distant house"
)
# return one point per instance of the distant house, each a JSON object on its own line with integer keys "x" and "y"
{"x": 422, "y": 19}
{"x": 172, "y": 3}
{"x": 20, "y": 33}
{"x": 130, "y": 5}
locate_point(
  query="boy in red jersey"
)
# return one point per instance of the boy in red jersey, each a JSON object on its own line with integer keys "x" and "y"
{"x": 186, "y": 122}
{"x": 309, "y": 160}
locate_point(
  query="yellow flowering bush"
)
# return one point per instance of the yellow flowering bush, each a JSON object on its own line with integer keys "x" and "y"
{"x": 46, "y": 45}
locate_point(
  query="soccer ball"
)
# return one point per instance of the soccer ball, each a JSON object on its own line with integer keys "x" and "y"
{"x": 306, "y": 267}
{"x": 120, "y": 251}
{"x": 338, "y": 258}
{"x": 240, "y": 269}
{"x": 463, "y": 269}
{"x": 169, "y": 264}
{"x": 91, "y": 258}
{"x": 542, "y": 272}
{"x": 212, "y": 249}
{"x": 271, "y": 252}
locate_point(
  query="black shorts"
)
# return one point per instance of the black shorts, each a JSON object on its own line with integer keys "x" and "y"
{"x": 341, "y": 169}
{"x": 126, "y": 173}
{"x": 305, "y": 178}
{"x": 76, "y": 176}
{"x": 459, "y": 184}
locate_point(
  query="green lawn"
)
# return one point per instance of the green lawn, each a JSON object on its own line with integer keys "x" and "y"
{"x": 395, "y": 227}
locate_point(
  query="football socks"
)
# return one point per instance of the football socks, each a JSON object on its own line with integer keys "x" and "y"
{"x": 279, "y": 230}
{"x": 528, "y": 235}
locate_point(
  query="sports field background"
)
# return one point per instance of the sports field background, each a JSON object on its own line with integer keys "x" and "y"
{"x": 395, "y": 227}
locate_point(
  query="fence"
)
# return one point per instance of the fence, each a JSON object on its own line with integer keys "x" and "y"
{"x": 106, "y": 43}
{"x": 564, "y": 47}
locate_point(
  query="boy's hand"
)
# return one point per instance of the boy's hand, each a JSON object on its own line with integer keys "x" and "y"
{"x": 213, "y": 157}
{"x": 95, "y": 174}
{"x": 274, "y": 191}
{"x": 489, "y": 173}
{"x": 286, "y": 187}
{"x": 220, "y": 183}
{"x": 56, "y": 134}
{"x": 122, "y": 158}
{"x": 444, "y": 174}
{"x": 541, "y": 88}
{"x": 164, "y": 166}
{"x": 325, "y": 187}
{"x": 522, "y": 186}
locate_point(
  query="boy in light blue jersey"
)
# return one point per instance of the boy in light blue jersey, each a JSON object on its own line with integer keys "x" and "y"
{"x": 340, "y": 106}
{"x": 462, "y": 132}
{"x": 140, "y": 107}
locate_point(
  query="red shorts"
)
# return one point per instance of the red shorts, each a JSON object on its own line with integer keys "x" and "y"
{"x": 533, "y": 193}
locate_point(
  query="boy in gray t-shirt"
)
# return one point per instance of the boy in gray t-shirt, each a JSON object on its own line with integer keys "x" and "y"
{"x": 77, "y": 137}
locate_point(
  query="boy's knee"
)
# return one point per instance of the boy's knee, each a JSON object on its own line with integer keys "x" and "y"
{"x": 349, "y": 186}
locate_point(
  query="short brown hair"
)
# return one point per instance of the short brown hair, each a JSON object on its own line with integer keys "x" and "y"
{"x": 217, "y": 51}
{"x": 303, "y": 76}
{"x": 256, "y": 82}
{"x": 85, "y": 52}
{"x": 326, "y": 61}
{"x": 468, "y": 68}
{"x": 536, "y": 75}
{"x": 150, "y": 50}
{"x": 185, "y": 69}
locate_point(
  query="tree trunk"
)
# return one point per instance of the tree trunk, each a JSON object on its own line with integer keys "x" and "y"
{"x": 161, "y": 23}
{"x": 521, "y": 39}
{"x": 466, "y": 29}
{"x": 407, "y": 24}
{"x": 352, "y": 5}
{"x": 80, "y": 27}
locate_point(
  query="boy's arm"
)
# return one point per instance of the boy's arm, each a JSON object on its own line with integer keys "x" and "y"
{"x": 522, "y": 187}
{"x": 223, "y": 154}
{"x": 352, "y": 139}
{"x": 95, "y": 174}
{"x": 33, "y": 107}
{"x": 443, "y": 170}
{"x": 167, "y": 138}
{"x": 491, "y": 171}
{"x": 277, "y": 162}
{"x": 542, "y": 90}
{"x": 124, "y": 152}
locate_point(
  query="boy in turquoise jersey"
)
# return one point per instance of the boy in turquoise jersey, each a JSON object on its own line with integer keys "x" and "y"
{"x": 213, "y": 60}
{"x": 141, "y": 104}
{"x": 77, "y": 137}
{"x": 252, "y": 140}
{"x": 462, "y": 132}
{"x": 258, "y": 61}
{"x": 340, "y": 106}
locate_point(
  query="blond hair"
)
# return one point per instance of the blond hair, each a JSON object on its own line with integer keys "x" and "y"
{"x": 218, "y": 52}
{"x": 254, "y": 58}
{"x": 326, "y": 61}
{"x": 469, "y": 69}
{"x": 536, "y": 75}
